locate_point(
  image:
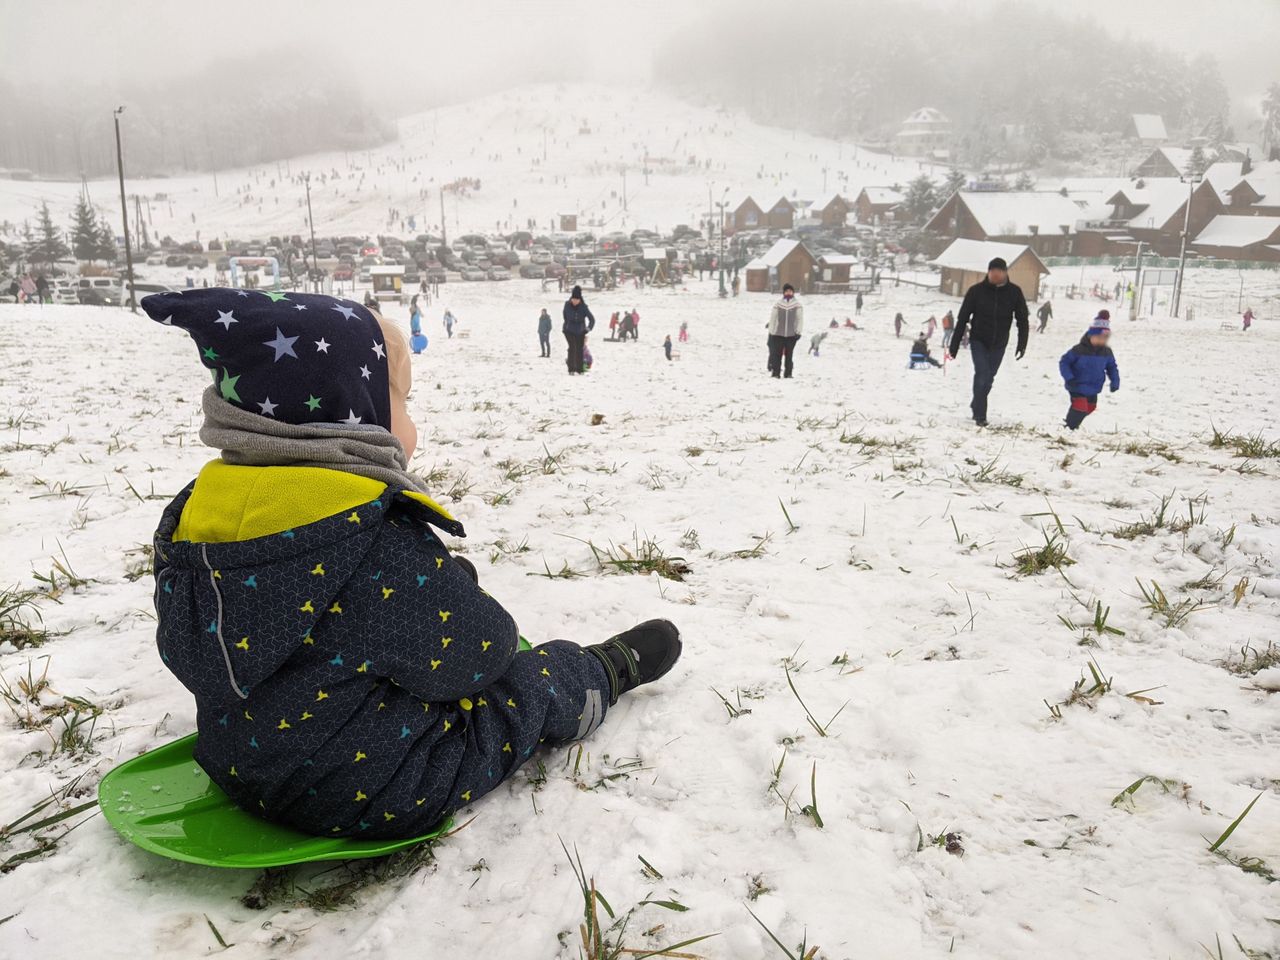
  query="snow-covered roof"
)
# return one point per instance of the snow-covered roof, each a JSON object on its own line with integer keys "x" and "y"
{"x": 386, "y": 270}
{"x": 1236, "y": 231}
{"x": 1179, "y": 157}
{"x": 883, "y": 196}
{"x": 926, "y": 116}
{"x": 825, "y": 201}
{"x": 1159, "y": 197}
{"x": 757, "y": 264}
{"x": 974, "y": 255}
{"x": 1022, "y": 214}
{"x": 780, "y": 250}
{"x": 1266, "y": 186}
{"x": 653, "y": 253}
{"x": 1149, "y": 126}
{"x": 781, "y": 199}
{"x": 837, "y": 259}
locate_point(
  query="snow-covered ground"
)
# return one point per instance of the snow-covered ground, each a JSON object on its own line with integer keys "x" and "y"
{"x": 849, "y": 525}
{"x": 592, "y": 133}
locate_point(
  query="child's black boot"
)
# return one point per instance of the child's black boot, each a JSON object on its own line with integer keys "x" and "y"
{"x": 638, "y": 656}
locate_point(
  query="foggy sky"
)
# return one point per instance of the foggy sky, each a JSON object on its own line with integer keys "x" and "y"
{"x": 409, "y": 53}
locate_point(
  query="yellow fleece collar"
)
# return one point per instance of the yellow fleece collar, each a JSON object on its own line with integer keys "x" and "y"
{"x": 232, "y": 503}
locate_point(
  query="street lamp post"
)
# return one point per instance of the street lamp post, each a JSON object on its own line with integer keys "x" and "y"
{"x": 311, "y": 221}
{"x": 1182, "y": 255}
{"x": 124, "y": 212}
{"x": 720, "y": 261}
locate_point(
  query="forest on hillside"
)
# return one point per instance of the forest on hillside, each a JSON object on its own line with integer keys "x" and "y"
{"x": 237, "y": 113}
{"x": 858, "y": 69}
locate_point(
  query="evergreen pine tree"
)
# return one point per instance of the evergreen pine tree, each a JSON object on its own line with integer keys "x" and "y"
{"x": 84, "y": 231}
{"x": 955, "y": 181}
{"x": 1197, "y": 163}
{"x": 1271, "y": 121}
{"x": 920, "y": 199}
{"x": 1024, "y": 182}
{"x": 105, "y": 243}
{"x": 49, "y": 245}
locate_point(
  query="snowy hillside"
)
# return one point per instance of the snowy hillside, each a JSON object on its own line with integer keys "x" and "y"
{"x": 998, "y": 763}
{"x": 591, "y": 134}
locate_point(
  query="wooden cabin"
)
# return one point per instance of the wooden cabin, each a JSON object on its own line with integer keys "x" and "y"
{"x": 964, "y": 263}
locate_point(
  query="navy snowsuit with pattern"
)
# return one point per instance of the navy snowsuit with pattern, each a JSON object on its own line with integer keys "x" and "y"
{"x": 351, "y": 678}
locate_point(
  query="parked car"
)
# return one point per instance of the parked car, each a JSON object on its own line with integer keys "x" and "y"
{"x": 555, "y": 271}
{"x": 175, "y": 260}
{"x": 533, "y": 271}
{"x": 223, "y": 264}
{"x": 342, "y": 272}
{"x": 64, "y": 291}
{"x": 155, "y": 260}
{"x": 498, "y": 273}
{"x": 100, "y": 291}
{"x": 197, "y": 263}
{"x": 540, "y": 255}
{"x": 437, "y": 275}
{"x": 472, "y": 273}
{"x": 366, "y": 273}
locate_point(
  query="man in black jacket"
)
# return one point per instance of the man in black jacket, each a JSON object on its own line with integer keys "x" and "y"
{"x": 578, "y": 322}
{"x": 988, "y": 311}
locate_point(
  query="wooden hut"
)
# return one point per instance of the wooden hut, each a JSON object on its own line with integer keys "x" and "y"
{"x": 876, "y": 204}
{"x": 964, "y": 263}
{"x": 744, "y": 214}
{"x": 781, "y": 215}
{"x": 830, "y": 211}
{"x": 787, "y": 261}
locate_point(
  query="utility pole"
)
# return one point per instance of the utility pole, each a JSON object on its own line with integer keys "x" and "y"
{"x": 624, "y": 188}
{"x": 124, "y": 212}
{"x": 720, "y": 261}
{"x": 1182, "y": 255}
{"x": 1137, "y": 285}
{"x": 444, "y": 232}
{"x": 315, "y": 266}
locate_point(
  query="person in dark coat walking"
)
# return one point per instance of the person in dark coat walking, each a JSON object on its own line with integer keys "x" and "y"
{"x": 1044, "y": 315}
{"x": 988, "y": 312}
{"x": 786, "y": 322}
{"x": 544, "y": 332}
{"x": 1086, "y": 367}
{"x": 578, "y": 322}
{"x": 351, "y": 677}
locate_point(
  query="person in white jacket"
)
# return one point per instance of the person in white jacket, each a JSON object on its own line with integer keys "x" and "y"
{"x": 786, "y": 323}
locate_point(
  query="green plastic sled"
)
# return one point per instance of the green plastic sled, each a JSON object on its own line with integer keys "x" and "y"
{"x": 163, "y": 802}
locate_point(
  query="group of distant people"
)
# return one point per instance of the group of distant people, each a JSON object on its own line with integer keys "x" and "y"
{"x": 984, "y": 323}
{"x": 30, "y": 289}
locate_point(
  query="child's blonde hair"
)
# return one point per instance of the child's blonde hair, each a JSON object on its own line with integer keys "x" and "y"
{"x": 399, "y": 367}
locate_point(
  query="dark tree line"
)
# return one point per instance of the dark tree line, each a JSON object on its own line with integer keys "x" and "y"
{"x": 234, "y": 114}
{"x": 858, "y": 68}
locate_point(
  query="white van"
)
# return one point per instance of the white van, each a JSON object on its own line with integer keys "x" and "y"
{"x": 100, "y": 291}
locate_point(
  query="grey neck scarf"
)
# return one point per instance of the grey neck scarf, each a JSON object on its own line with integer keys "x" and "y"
{"x": 247, "y": 439}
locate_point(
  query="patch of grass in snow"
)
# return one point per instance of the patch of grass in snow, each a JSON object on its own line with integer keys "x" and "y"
{"x": 69, "y": 722}
{"x": 140, "y": 562}
{"x": 1031, "y": 561}
{"x": 1149, "y": 448}
{"x": 1252, "y": 660}
{"x": 1173, "y": 614}
{"x": 1099, "y": 625}
{"x": 991, "y": 472}
{"x": 1253, "y": 446}
{"x": 1124, "y": 799}
{"x": 643, "y": 556}
{"x": 1162, "y": 518}
{"x": 821, "y": 728}
{"x": 21, "y": 622}
{"x": 609, "y": 942}
{"x": 866, "y": 442}
{"x": 38, "y": 824}
{"x": 61, "y": 577}
{"x": 1090, "y": 688}
{"x": 748, "y": 553}
{"x": 802, "y": 951}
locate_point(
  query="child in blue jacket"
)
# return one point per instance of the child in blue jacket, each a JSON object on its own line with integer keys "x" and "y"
{"x": 1086, "y": 367}
{"x": 350, "y": 675}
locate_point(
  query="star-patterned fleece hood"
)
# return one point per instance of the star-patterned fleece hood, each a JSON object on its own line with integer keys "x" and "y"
{"x": 309, "y": 609}
{"x": 295, "y": 357}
